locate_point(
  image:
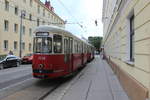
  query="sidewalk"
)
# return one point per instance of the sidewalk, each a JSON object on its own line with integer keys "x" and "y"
{"x": 98, "y": 82}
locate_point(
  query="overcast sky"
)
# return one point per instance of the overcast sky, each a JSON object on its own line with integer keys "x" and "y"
{"x": 84, "y": 12}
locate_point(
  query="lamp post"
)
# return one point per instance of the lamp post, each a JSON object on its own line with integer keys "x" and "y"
{"x": 20, "y": 38}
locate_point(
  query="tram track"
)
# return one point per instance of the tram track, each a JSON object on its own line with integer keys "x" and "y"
{"x": 8, "y": 83}
{"x": 49, "y": 92}
{"x": 38, "y": 89}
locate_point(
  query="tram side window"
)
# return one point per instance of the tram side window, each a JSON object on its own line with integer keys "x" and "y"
{"x": 66, "y": 46}
{"x": 75, "y": 47}
{"x": 82, "y": 48}
{"x": 57, "y": 39}
{"x": 79, "y": 48}
{"x": 71, "y": 45}
{"x": 85, "y": 49}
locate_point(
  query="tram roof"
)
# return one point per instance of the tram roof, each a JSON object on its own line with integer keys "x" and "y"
{"x": 55, "y": 29}
{"x": 50, "y": 28}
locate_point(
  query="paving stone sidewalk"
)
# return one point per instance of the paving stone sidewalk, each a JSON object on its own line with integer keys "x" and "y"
{"x": 98, "y": 82}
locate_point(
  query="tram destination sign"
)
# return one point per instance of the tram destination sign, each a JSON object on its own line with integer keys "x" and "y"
{"x": 42, "y": 34}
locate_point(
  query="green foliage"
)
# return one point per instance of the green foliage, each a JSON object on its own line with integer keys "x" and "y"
{"x": 96, "y": 41}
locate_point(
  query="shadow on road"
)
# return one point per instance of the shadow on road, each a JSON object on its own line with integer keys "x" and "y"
{"x": 45, "y": 83}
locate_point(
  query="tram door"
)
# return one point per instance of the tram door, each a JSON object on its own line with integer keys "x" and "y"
{"x": 68, "y": 45}
{"x": 82, "y": 53}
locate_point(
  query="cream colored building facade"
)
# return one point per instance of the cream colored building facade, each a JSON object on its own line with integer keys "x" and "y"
{"x": 127, "y": 44}
{"x": 36, "y": 13}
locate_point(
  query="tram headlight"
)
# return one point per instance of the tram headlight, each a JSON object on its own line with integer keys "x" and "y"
{"x": 41, "y": 66}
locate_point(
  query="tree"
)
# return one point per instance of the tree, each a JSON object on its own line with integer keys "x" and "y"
{"x": 96, "y": 41}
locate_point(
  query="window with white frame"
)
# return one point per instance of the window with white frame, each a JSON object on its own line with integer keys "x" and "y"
{"x": 43, "y": 12}
{"x": 38, "y": 9}
{"x": 6, "y": 24}
{"x": 48, "y": 15}
{"x": 15, "y": 28}
{"x": 30, "y": 17}
{"x": 6, "y": 5}
{"x": 30, "y": 31}
{"x": 15, "y": 45}
{"x": 24, "y": 1}
{"x": 38, "y": 22}
{"x": 23, "y": 46}
{"x": 132, "y": 38}
{"x": 30, "y": 47}
{"x": 6, "y": 44}
{"x": 16, "y": 10}
{"x": 43, "y": 22}
{"x": 31, "y": 2}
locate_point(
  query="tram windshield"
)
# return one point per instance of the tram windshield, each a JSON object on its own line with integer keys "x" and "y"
{"x": 42, "y": 45}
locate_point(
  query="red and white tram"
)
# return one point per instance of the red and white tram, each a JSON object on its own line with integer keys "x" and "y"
{"x": 57, "y": 52}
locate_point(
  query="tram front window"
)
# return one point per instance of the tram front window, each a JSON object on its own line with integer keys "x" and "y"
{"x": 42, "y": 45}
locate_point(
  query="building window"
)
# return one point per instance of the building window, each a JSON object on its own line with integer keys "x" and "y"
{"x": 6, "y": 5}
{"x": 43, "y": 12}
{"x": 15, "y": 28}
{"x": 23, "y": 46}
{"x": 31, "y": 2}
{"x": 43, "y": 22}
{"x": 132, "y": 38}
{"x": 38, "y": 22}
{"x": 23, "y": 30}
{"x": 30, "y": 17}
{"x": 48, "y": 15}
{"x": 30, "y": 31}
{"x": 30, "y": 48}
{"x": 6, "y": 24}
{"x": 15, "y": 45}
{"x": 38, "y": 8}
{"x": 16, "y": 10}
{"x": 6, "y": 44}
{"x": 24, "y": 1}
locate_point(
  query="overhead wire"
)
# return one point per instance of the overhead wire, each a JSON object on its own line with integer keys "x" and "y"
{"x": 68, "y": 11}
{"x": 45, "y": 19}
{"x": 34, "y": 18}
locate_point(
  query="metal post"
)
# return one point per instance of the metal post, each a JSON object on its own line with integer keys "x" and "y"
{"x": 20, "y": 39}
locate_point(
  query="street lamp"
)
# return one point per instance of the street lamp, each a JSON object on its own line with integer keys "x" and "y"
{"x": 20, "y": 39}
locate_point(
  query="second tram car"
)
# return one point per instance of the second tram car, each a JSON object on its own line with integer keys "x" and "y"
{"x": 57, "y": 52}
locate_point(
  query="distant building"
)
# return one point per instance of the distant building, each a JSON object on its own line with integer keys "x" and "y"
{"x": 127, "y": 44}
{"x": 36, "y": 13}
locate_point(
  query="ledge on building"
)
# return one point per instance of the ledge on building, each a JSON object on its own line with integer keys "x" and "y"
{"x": 129, "y": 62}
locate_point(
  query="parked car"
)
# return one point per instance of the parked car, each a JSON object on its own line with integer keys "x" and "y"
{"x": 7, "y": 61}
{"x": 27, "y": 58}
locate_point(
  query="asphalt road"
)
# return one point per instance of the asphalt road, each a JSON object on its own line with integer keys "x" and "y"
{"x": 18, "y": 84}
{"x": 13, "y": 79}
{"x": 14, "y": 75}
